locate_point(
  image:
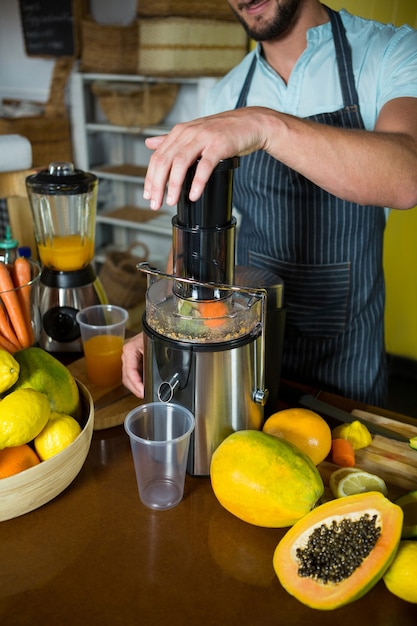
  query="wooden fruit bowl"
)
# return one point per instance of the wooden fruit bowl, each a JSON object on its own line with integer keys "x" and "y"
{"x": 34, "y": 487}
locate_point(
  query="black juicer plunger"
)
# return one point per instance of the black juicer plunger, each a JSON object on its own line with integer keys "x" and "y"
{"x": 204, "y": 235}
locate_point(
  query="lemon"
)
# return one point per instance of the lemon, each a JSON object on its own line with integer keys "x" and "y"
{"x": 60, "y": 431}
{"x": 23, "y": 414}
{"x": 360, "y": 482}
{"x": 355, "y": 432}
{"x": 338, "y": 475}
{"x": 9, "y": 370}
{"x": 401, "y": 576}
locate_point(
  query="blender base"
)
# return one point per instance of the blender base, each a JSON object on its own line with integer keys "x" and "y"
{"x": 62, "y": 295}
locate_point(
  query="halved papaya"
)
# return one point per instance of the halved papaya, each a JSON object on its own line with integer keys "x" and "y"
{"x": 340, "y": 550}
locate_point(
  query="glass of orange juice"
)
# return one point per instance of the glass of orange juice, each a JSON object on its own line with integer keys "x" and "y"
{"x": 102, "y": 328}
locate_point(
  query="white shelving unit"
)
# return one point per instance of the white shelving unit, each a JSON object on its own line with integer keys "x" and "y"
{"x": 118, "y": 156}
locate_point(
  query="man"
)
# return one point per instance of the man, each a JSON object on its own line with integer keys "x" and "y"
{"x": 324, "y": 116}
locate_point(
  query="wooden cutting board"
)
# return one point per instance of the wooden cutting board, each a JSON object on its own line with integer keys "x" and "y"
{"x": 111, "y": 415}
{"x": 394, "y": 461}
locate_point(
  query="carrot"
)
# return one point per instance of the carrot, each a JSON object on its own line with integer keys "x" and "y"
{"x": 7, "y": 345}
{"x": 214, "y": 311}
{"x": 21, "y": 275}
{"x": 343, "y": 453}
{"x": 11, "y": 302}
{"x": 7, "y": 332}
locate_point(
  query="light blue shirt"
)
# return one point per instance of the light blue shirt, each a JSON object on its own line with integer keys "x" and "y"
{"x": 384, "y": 63}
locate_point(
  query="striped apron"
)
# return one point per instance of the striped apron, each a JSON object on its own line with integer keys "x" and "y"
{"x": 328, "y": 252}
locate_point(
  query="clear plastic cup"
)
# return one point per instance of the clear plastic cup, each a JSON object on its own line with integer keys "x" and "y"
{"x": 160, "y": 437}
{"x": 102, "y": 328}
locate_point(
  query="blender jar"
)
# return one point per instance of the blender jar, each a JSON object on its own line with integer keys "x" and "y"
{"x": 63, "y": 201}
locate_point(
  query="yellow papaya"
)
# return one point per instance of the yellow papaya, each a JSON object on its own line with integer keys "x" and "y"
{"x": 43, "y": 372}
{"x": 264, "y": 480}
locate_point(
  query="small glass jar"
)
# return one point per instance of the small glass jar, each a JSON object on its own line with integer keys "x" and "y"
{"x": 8, "y": 248}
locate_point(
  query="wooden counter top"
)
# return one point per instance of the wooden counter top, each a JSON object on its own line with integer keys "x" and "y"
{"x": 96, "y": 556}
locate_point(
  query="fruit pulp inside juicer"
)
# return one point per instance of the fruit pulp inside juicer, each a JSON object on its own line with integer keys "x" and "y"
{"x": 217, "y": 320}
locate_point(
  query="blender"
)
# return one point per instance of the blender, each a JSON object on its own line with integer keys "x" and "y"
{"x": 204, "y": 340}
{"x": 63, "y": 202}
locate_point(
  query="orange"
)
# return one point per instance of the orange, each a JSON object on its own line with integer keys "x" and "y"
{"x": 17, "y": 459}
{"x": 303, "y": 428}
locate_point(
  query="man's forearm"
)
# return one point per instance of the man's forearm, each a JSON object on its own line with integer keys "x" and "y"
{"x": 366, "y": 167}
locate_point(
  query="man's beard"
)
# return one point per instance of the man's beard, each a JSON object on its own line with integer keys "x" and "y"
{"x": 266, "y": 31}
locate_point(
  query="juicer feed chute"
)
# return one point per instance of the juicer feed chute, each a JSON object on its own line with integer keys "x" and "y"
{"x": 204, "y": 234}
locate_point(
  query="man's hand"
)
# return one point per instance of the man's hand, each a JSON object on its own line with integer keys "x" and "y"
{"x": 132, "y": 362}
{"x": 207, "y": 139}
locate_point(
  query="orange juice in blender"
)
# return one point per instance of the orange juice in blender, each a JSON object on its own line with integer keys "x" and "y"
{"x": 66, "y": 252}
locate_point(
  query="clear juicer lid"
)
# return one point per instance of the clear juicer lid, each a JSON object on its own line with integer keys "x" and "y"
{"x": 237, "y": 314}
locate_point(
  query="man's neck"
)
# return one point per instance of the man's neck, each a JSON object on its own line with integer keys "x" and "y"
{"x": 282, "y": 53}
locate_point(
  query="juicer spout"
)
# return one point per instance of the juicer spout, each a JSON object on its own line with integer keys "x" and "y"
{"x": 167, "y": 388}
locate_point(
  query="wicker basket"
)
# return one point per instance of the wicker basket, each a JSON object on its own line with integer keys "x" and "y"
{"x": 177, "y": 46}
{"x": 125, "y": 104}
{"x": 212, "y": 9}
{"x": 123, "y": 283}
{"x": 108, "y": 48}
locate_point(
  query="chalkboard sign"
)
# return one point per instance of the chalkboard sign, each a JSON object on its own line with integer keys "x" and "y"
{"x": 48, "y": 27}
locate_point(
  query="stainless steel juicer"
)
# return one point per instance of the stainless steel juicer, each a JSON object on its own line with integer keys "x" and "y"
{"x": 204, "y": 336}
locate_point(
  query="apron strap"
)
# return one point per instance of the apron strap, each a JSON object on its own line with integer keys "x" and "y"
{"x": 344, "y": 59}
{"x": 243, "y": 96}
